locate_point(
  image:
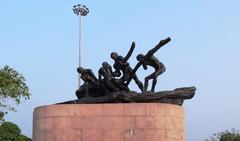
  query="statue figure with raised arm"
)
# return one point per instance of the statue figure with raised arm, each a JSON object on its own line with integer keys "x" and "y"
{"x": 123, "y": 69}
{"x": 150, "y": 60}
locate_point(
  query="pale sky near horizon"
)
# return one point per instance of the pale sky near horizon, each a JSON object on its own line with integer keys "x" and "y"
{"x": 40, "y": 40}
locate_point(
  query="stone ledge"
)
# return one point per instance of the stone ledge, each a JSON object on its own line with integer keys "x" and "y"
{"x": 103, "y": 122}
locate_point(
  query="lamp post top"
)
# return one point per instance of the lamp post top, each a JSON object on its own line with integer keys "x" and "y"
{"x": 81, "y": 10}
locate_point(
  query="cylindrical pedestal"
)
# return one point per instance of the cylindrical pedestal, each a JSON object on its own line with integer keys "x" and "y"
{"x": 109, "y": 122}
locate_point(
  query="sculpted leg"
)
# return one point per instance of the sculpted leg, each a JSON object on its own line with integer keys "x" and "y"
{"x": 154, "y": 84}
{"x": 152, "y": 76}
{"x": 145, "y": 84}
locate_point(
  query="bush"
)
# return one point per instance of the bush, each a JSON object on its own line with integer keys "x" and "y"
{"x": 232, "y": 135}
{"x": 11, "y": 132}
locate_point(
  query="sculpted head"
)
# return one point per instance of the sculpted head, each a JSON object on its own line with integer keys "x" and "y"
{"x": 140, "y": 57}
{"x": 80, "y": 70}
{"x": 114, "y": 55}
{"x": 105, "y": 65}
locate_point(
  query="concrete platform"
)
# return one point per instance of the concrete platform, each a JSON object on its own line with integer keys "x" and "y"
{"x": 109, "y": 122}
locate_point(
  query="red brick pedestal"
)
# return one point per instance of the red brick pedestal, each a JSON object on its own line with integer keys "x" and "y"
{"x": 109, "y": 122}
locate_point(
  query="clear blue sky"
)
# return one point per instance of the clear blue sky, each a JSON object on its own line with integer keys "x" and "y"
{"x": 40, "y": 40}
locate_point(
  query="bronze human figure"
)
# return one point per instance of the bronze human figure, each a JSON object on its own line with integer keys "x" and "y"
{"x": 89, "y": 79}
{"x": 105, "y": 76}
{"x": 87, "y": 75}
{"x": 150, "y": 60}
{"x": 123, "y": 69}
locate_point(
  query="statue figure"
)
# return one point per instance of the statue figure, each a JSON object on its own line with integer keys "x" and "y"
{"x": 122, "y": 68}
{"x": 150, "y": 60}
{"x": 89, "y": 79}
{"x": 105, "y": 76}
{"x": 87, "y": 75}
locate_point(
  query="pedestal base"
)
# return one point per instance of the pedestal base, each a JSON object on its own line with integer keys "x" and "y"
{"x": 109, "y": 122}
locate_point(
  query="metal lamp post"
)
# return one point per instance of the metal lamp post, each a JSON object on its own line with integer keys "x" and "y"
{"x": 80, "y": 10}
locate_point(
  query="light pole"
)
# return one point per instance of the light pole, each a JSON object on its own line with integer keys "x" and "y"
{"x": 80, "y": 10}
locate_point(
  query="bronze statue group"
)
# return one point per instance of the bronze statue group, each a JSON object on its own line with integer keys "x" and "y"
{"x": 110, "y": 81}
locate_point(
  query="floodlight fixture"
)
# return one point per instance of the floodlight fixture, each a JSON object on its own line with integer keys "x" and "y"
{"x": 81, "y": 10}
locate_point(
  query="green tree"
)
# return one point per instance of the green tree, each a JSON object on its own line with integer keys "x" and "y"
{"x": 10, "y": 132}
{"x": 232, "y": 135}
{"x": 12, "y": 89}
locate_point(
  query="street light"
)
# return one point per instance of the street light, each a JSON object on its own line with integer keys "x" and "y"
{"x": 80, "y": 10}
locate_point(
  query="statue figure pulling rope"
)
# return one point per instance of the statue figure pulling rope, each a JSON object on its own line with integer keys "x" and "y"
{"x": 123, "y": 69}
{"x": 150, "y": 60}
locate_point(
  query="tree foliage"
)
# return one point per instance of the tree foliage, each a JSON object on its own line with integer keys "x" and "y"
{"x": 232, "y": 135}
{"x": 11, "y": 132}
{"x": 12, "y": 89}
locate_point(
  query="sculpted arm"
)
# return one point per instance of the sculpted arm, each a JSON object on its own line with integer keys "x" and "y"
{"x": 158, "y": 46}
{"x": 100, "y": 76}
{"x": 130, "y": 52}
{"x": 117, "y": 73}
{"x": 89, "y": 71}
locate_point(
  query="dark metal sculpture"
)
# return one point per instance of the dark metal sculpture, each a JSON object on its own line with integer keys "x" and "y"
{"x": 112, "y": 86}
{"x": 152, "y": 61}
{"x": 122, "y": 68}
{"x": 90, "y": 82}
